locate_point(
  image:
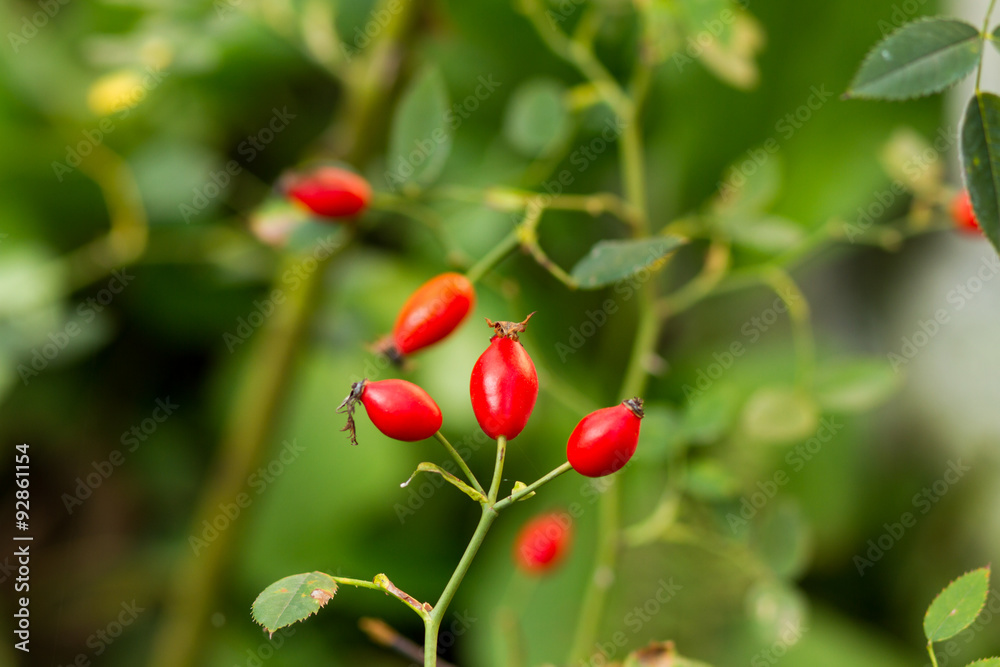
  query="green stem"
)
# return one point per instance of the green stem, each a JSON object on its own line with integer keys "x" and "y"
{"x": 499, "y": 253}
{"x": 498, "y": 469}
{"x": 432, "y": 623}
{"x": 930, "y": 651}
{"x": 798, "y": 311}
{"x": 514, "y": 497}
{"x": 982, "y": 56}
{"x": 461, "y": 462}
{"x": 633, "y": 167}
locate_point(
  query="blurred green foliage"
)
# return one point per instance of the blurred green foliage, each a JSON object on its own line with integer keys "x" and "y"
{"x": 216, "y": 75}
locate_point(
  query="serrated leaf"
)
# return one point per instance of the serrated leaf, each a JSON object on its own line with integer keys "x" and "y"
{"x": 421, "y": 136}
{"x": 854, "y": 385}
{"x": 921, "y": 58}
{"x": 611, "y": 261}
{"x": 779, "y": 415}
{"x": 957, "y": 606}
{"x": 981, "y": 161}
{"x": 537, "y": 119}
{"x": 293, "y": 599}
{"x": 986, "y": 662}
{"x": 451, "y": 479}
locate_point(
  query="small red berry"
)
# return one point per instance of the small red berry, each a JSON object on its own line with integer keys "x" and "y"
{"x": 399, "y": 409}
{"x": 963, "y": 214}
{"x": 504, "y": 383}
{"x": 542, "y": 543}
{"x": 605, "y": 440}
{"x": 330, "y": 192}
{"x": 431, "y": 313}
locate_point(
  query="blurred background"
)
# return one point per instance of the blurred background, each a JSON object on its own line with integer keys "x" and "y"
{"x": 146, "y": 363}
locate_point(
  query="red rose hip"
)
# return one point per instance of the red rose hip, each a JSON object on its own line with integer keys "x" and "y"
{"x": 431, "y": 313}
{"x": 963, "y": 214}
{"x": 605, "y": 440}
{"x": 504, "y": 383}
{"x": 399, "y": 409}
{"x": 542, "y": 543}
{"x": 330, "y": 192}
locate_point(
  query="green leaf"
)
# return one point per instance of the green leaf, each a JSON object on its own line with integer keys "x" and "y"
{"x": 750, "y": 184}
{"x": 660, "y": 436}
{"x": 781, "y": 539}
{"x": 537, "y": 119}
{"x": 708, "y": 479}
{"x": 711, "y": 414}
{"x": 779, "y": 415}
{"x": 921, "y": 58}
{"x": 987, "y": 662}
{"x": 769, "y": 234}
{"x": 421, "y": 135}
{"x": 451, "y": 479}
{"x": 957, "y": 606}
{"x": 292, "y": 599}
{"x": 854, "y": 385}
{"x": 981, "y": 161}
{"x": 611, "y": 261}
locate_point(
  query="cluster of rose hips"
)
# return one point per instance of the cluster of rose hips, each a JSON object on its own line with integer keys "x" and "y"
{"x": 503, "y": 390}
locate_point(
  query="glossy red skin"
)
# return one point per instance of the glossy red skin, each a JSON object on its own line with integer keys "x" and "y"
{"x": 331, "y": 192}
{"x": 504, "y": 387}
{"x": 433, "y": 311}
{"x": 963, "y": 214}
{"x": 401, "y": 410}
{"x": 542, "y": 543}
{"x": 603, "y": 441}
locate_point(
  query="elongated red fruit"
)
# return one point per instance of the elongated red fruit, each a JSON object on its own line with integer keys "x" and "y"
{"x": 963, "y": 214}
{"x": 543, "y": 542}
{"x": 399, "y": 409}
{"x": 606, "y": 439}
{"x": 504, "y": 383}
{"x": 431, "y": 313}
{"x": 330, "y": 192}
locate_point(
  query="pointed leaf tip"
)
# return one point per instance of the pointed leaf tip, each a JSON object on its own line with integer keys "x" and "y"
{"x": 292, "y": 599}
{"x": 957, "y": 606}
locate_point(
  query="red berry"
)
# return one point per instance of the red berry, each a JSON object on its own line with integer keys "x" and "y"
{"x": 543, "y": 542}
{"x": 963, "y": 214}
{"x": 330, "y": 192}
{"x": 504, "y": 383}
{"x": 431, "y": 313}
{"x": 399, "y": 409}
{"x": 606, "y": 439}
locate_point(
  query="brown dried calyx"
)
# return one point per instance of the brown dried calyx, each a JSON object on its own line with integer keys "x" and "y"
{"x": 348, "y": 406}
{"x": 510, "y": 329}
{"x": 635, "y": 405}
